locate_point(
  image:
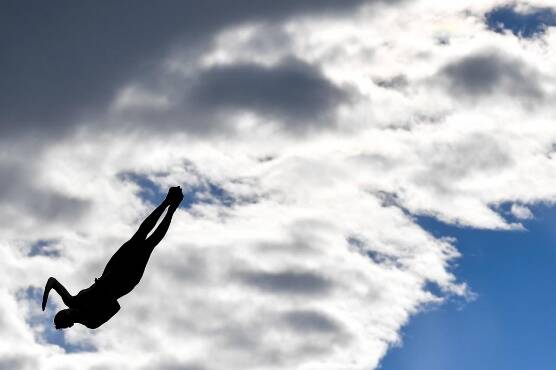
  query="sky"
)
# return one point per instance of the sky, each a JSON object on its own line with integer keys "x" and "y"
{"x": 510, "y": 323}
{"x": 368, "y": 184}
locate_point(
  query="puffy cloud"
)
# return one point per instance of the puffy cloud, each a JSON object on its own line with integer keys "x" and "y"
{"x": 521, "y": 212}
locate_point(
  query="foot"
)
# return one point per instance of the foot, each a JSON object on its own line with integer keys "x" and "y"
{"x": 175, "y": 195}
{"x": 179, "y": 197}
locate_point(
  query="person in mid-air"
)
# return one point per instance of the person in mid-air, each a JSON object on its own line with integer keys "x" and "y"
{"x": 95, "y": 305}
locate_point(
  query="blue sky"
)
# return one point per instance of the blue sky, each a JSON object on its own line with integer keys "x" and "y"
{"x": 206, "y": 191}
{"x": 523, "y": 24}
{"x": 43, "y": 324}
{"x": 511, "y": 325}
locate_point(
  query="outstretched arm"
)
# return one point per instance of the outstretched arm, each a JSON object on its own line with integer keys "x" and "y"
{"x": 52, "y": 283}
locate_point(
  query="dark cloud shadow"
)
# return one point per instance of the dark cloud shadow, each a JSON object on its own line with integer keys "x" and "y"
{"x": 288, "y": 282}
{"x": 19, "y": 188}
{"x": 17, "y": 361}
{"x": 292, "y": 95}
{"x": 293, "y": 92}
{"x": 311, "y": 321}
{"x": 63, "y": 62}
{"x": 397, "y": 82}
{"x": 173, "y": 364}
{"x": 490, "y": 72}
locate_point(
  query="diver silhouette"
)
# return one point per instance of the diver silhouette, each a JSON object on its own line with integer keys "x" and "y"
{"x": 95, "y": 305}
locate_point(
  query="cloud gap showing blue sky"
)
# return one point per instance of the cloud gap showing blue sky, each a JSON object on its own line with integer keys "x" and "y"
{"x": 43, "y": 326}
{"x": 44, "y": 247}
{"x": 526, "y": 23}
{"x": 205, "y": 192}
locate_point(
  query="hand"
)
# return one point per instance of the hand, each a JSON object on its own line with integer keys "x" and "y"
{"x": 49, "y": 284}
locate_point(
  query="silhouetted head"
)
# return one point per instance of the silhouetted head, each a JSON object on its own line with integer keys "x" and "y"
{"x": 63, "y": 319}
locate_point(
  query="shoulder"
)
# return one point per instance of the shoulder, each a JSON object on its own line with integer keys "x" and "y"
{"x": 112, "y": 308}
{"x": 101, "y": 313}
{"x": 109, "y": 305}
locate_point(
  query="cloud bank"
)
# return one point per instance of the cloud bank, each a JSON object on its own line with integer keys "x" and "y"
{"x": 309, "y": 136}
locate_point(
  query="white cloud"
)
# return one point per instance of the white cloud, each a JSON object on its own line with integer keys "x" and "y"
{"x": 521, "y": 212}
{"x": 319, "y": 263}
